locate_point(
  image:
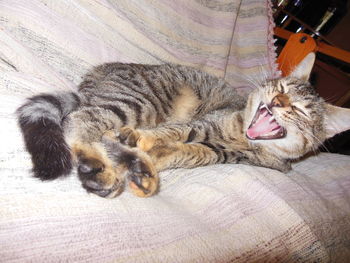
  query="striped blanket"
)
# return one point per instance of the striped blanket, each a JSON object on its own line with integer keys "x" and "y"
{"x": 219, "y": 213}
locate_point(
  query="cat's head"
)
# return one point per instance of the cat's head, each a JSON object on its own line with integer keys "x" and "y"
{"x": 289, "y": 118}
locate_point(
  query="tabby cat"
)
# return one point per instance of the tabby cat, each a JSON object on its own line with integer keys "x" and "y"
{"x": 127, "y": 122}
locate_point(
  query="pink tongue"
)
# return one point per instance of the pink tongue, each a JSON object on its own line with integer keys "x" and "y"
{"x": 262, "y": 126}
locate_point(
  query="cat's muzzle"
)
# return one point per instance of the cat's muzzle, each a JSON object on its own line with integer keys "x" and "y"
{"x": 264, "y": 125}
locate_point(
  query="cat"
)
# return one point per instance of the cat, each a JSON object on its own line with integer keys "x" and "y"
{"x": 127, "y": 122}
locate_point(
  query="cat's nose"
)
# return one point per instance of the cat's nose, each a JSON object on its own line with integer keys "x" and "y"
{"x": 281, "y": 100}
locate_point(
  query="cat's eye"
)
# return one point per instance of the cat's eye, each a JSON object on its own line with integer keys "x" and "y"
{"x": 297, "y": 109}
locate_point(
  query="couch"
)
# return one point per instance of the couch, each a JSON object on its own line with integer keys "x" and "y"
{"x": 218, "y": 213}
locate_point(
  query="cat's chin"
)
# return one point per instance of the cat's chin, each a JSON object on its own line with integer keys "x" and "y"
{"x": 264, "y": 126}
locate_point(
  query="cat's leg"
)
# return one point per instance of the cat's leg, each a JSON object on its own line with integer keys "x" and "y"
{"x": 179, "y": 145}
{"x": 189, "y": 155}
{"x": 209, "y": 127}
{"x": 83, "y": 133}
{"x": 140, "y": 174}
{"x": 263, "y": 158}
{"x": 104, "y": 168}
{"x": 145, "y": 139}
{"x": 101, "y": 170}
{"x": 168, "y": 148}
{"x": 96, "y": 171}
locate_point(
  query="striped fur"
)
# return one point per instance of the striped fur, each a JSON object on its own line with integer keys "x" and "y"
{"x": 65, "y": 129}
{"x": 41, "y": 122}
{"x": 220, "y": 137}
{"x": 176, "y": 115}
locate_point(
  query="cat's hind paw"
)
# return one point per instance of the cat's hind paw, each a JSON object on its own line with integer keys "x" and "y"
{"x": 142, "y": 178}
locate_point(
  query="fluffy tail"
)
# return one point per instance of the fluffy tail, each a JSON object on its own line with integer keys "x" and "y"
{"x": 40, "y": 119}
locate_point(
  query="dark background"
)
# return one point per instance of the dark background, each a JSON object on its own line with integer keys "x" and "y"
{"x": 330, "y": 77}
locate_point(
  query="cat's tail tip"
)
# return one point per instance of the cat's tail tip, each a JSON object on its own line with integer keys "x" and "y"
{"x": 51, "y": 156}
{"x": 40, "y": 120}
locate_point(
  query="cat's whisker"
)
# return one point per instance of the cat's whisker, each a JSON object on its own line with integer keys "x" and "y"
{"x": 263, "y": 73}
{"x": 245, "y": 78}
{"x": 265, "y": 70}
{"x": 330, "y": 98}
{"x": 315, "y": 149}
{"x": 320, "y": 143}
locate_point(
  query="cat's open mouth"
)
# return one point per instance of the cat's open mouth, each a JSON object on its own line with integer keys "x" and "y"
{"x": 264, "y": 125}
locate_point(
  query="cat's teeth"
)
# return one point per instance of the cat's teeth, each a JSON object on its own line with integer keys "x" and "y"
{"x": 263, "y": 106}
{"x": 272, "y": 133}
{"x": 272, "y": 119}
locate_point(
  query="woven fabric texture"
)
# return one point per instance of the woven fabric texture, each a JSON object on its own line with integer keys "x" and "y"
{"x": 219, "y": 213}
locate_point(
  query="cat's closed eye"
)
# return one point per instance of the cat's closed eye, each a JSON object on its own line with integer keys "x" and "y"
{"x": 298, "y": 110}
{"x": 281, "y": 88}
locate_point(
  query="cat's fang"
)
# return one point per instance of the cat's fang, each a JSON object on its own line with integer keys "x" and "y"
{"x": 262, "y": 106}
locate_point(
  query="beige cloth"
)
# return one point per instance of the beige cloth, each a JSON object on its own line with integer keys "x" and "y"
{"x": 220, "y": 213}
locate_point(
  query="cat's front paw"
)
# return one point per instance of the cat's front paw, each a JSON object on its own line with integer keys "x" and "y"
{"x": 128, "y": 136}
{"x": 142, "y": 139}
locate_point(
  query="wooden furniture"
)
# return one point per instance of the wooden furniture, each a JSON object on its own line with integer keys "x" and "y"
{"x": 332, "y": 84}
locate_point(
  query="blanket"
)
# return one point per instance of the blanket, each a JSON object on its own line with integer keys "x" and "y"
{"x": 218, "y": 213}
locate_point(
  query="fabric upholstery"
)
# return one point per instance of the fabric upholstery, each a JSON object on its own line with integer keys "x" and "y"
{"x": 219, "y": 213}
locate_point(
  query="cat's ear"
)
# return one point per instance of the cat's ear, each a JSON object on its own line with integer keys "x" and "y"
{"x": 336, "y": 120}
{"x": 303, "y": 69}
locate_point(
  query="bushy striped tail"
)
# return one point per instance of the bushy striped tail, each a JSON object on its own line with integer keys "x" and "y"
{"x": 40, "y": 119}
